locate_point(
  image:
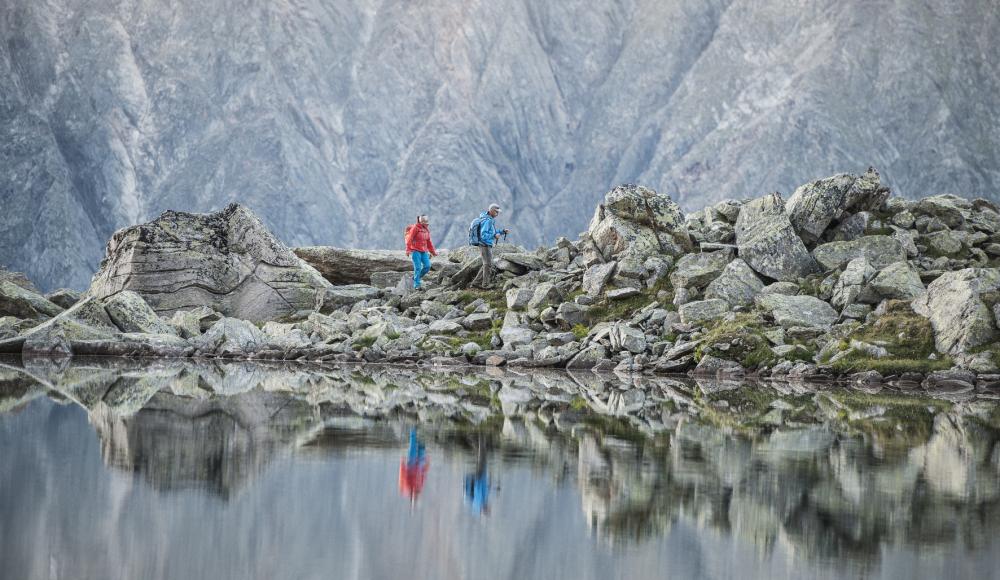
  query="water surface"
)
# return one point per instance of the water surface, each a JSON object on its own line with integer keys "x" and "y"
{"x": 168, "y": 470}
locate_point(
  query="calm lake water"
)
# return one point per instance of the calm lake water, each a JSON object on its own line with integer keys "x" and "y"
{"x": 156, "y": 470}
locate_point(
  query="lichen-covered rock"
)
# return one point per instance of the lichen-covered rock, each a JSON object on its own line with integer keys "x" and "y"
{"x": 701, "y": 311}
{"x": 737, "y": 284}
{"x": 880, "y": 251}
{"x": 896, "y": 281}
{"x": 130, "y": 313}
{"x": 226, "y": 260}
{"x": 514, "y": 331}
{"x": 64, "y": 297}
{"x": 194, "y": 322}
{"x": 231, "y": 337}
{"x": 335, "y": 297}
{"x": 636, "y": 218}
{"x": 697, "y": 270}
{"x": 625, "y": 337}
{"x": 21, "y": 302}
{"x": 813, "y": 206}
{"x": 718, "y": 367}
{"x": 768, "y": 243}
{"x": 595, "y": 278}
{"x": 802, "y": 310}
{"x": 954, "y": 304}
{"x": 852, "y": 282}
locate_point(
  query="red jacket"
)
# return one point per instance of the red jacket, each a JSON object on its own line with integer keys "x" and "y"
{"x": 418, "y": 239}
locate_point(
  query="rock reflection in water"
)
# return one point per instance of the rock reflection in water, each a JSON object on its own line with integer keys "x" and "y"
{"x": 823, "y": 474}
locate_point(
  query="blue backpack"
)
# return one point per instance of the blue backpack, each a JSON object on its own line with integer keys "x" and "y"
{"x": 476, "y": 231}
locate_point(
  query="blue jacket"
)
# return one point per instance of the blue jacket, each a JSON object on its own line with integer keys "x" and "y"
{"x": 487, "y": 229}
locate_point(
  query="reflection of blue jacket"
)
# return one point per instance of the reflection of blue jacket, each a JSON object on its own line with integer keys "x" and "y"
{"x": 487, "y": 229}
{"x": 477, "y": 490}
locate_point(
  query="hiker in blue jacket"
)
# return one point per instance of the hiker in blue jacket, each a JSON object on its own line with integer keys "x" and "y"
{"x": 483, "y": 233}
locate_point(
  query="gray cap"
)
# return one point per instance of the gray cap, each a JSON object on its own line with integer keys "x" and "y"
{"x": 494, "y": 206}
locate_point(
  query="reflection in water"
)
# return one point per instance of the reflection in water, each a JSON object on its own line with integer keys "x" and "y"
{"x": 477, "y": 483}
{"x": 413, "y": 468}
{"x": 237, "y": 470}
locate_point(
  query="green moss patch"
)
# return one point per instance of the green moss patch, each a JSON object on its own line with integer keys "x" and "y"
{"x": 907, "y": 336}
{"x": 745, "y": 334}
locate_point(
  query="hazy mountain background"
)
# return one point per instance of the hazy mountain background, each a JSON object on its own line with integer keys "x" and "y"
{"x": 339, "y": 120}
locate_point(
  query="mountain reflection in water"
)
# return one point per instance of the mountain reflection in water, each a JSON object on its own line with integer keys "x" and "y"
{"x": 152, "y": 469}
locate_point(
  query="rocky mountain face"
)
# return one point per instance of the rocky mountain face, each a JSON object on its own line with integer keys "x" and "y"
{"x": 338, "y": 121}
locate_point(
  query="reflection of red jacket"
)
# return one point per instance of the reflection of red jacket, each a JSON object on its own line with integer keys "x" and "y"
{"x": 411, "y": 477}
{"x": 418, "y": 239}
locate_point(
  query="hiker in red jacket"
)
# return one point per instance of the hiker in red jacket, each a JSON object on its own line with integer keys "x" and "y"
{"x": 420, "y": 248}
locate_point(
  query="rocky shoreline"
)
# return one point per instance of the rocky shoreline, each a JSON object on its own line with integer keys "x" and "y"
{"x": 840, "y": 280}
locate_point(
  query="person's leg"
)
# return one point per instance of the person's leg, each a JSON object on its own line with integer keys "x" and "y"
{"x": 417, "y": 267}
{"x": 487, "y": 254}
{"x": 425, "y": 264}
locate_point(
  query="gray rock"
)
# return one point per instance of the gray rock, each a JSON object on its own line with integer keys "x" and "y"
{"x": 638, "y": 219}
{"x": 130, "y": 313}
{"x": 784, "y": 288}
{"x": 702, "y": 311}
{"x": 813, "y": 206}
{"x": 622, "y": 293}
{"x": 737, "y": 284}
{"x": 444, "y": 327}
{"x": 953, "y": 303}
{"x": 386, "y": 279}
{"x": 768, "y": 243}
{"x": 226, "y": 260}
{"x": 879, "y": 250}
{"x": 64, "y": 297}
{"x": 595, "y": 278}
{"x": 718, "y": 367}
{"x": 569, "y": 314}
{"x": 851, "y": 228}
{"x": 852, "y": 282}
{"x": 896, "y": 281}
{"x": 514, "y": 331}
{"x": 697, "y": 270}
{"x": 544, "y": 294}
{"x": 20, "y": 302}
{"x": 624, "y": 337}
{"x": 231, "y": 337}
{"x": 335, "y": 297}
{"x": 588, "y": 357}
{"x": 946, "y": 208}
{"x": 791, "y": 311}
{"x": 478, "y": 321}
{"x": 518, "y": 298}
{"x": 942, "y": 243}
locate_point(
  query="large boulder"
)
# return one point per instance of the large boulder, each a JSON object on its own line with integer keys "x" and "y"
{"x": 344, "y": 266}
{"x": 768, "y": 243}
{"x": 637, "y": 218}
{"x": 737, "y": 284}
{"x": 21, "y": 302}
{"x": 226, "y": 260}
{"x": 18, "y": 279}
{"x": 815, "y": 205}
{"x": 954, "y": 304}
{"x": 802, "y": 310}
{"x": 880, "y": 251}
